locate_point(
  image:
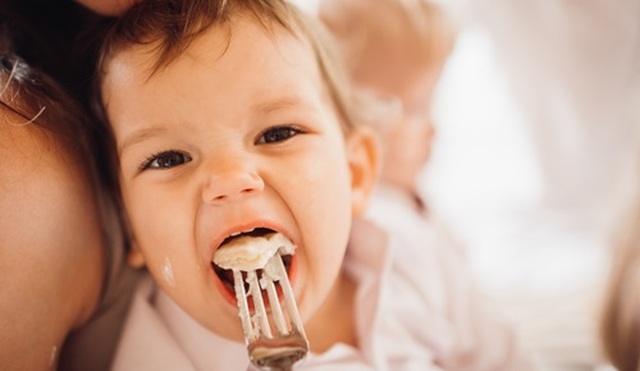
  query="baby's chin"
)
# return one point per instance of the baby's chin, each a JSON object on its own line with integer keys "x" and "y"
{"x": 223, "y": 323}
{"x": 214, "y": 313}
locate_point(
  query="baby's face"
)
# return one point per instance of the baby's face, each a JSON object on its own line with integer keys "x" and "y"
{"x": 229, "y": 138}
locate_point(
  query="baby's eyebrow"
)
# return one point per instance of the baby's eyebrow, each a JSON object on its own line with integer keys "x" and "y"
{"x": 141, "y": 135}
{"x": 278, "y": 104}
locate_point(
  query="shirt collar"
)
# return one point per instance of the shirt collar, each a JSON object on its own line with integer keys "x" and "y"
{"x": 205, "y": 349}
{"x": 368, "y": 261}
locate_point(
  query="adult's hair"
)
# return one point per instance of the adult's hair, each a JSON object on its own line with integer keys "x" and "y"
{"x": 36, "y": 65}
{"x": 40, "y": 101}
{"x": 620, "y": 322}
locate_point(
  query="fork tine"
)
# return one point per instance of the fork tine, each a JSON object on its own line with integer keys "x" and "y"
{"x": 292, "y": 309}
{"x": 243, "y": 306}
{"x": 276, "y": 310}
{"x": 260, "y": 318}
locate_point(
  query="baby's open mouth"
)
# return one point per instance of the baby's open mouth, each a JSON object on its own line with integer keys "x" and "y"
{"x": 250, "y": 251}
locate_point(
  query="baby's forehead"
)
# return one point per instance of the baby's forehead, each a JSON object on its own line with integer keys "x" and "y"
{"x": 147, "y": 53}
{"x": 261, "y": 62}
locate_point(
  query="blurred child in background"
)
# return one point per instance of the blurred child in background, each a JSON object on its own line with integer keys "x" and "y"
{"x": 395, "y": 52}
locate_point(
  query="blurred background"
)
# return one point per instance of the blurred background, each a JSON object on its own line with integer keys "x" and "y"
{"x": 535, "y": 159}
{"x": 537, "y": 119}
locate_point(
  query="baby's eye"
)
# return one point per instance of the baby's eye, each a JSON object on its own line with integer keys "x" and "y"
{"x": 278, "y": 134}
{"x": 165, "y": 160}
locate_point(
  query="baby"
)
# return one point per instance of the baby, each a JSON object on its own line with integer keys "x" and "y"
{"x": 232, "y": 119}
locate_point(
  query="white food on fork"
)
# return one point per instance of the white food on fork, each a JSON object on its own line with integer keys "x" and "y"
{"x": 263, "y": 256}
{"x": 249, "y": 253}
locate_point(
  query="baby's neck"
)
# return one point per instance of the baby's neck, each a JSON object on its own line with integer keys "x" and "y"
{"x": 335, "y": 320}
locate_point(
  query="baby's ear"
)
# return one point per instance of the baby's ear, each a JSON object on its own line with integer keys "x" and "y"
{"x": 363, "y": 151}
{"x": 135, "y": 258}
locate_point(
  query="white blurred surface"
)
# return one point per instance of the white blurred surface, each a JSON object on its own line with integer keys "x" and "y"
{"x": 537, "y": 120}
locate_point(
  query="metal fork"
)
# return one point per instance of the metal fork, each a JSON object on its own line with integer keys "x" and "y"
{"x": 272, "y": 346}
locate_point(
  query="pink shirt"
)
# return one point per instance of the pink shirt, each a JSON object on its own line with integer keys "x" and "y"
{"x": 413, "y": 312}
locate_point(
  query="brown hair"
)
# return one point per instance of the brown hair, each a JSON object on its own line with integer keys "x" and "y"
{"x": 620, "y": 321}
{"x": 30, "y": 87}
{"x": 41, "y": 101}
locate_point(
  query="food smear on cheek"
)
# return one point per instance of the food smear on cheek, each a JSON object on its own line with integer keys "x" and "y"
{"x": 167, "y": 273}
{"x": 53, "y": 356}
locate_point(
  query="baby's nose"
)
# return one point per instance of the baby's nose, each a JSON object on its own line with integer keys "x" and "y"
{"x": 231, "y": 184}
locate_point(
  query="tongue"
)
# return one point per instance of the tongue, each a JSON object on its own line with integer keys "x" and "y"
{"x": 249, "y": 253}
